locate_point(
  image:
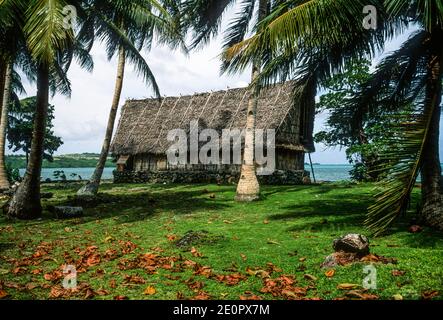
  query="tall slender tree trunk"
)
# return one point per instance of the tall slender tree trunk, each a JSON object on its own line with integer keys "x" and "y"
{"x": 2, "y": 80}
{"x": 4, "y": 182}
{"x": 432, "y": 196}
{"x": 91, "y": 188}
{"x": 248, "y": 188}
{"x": 25, "y": 204}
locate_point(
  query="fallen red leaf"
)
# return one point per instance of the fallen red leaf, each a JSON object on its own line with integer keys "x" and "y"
{"x": 397, "y": 273}
{"x": 196, "y": 253}
{"x": 3, "y": 294}
{"x": 428, "y": 295}
{"x": 330, "y": 273}
{"x": 134, "y": 279}
{"x": 250, "y": 297}
{"x": 361, "y": 295}
{"x": 202, "y": 295}
{"x": 93, "y": 260}
{"x": 150, "y": 290}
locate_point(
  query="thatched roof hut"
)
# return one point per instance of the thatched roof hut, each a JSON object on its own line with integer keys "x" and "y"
{"x": 144, "y": 124}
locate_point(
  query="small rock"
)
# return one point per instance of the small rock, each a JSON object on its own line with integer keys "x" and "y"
{"x": 352, "y": 243}
{"x": 339, "y": 259}
{"x": 67, "y": 212}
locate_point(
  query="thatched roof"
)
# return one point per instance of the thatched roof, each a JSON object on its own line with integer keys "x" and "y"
{"x": 144, "y": 124}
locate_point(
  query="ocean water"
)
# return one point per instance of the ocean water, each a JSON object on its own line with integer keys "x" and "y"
{"x": 324, "y": 172}
{"x": 330, "y": 172}
{"x": 84, "y": 173}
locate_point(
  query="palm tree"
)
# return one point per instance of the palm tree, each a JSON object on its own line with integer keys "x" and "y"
{"x": 127, "y": 29}
{"x": 40, "y": 25}
{"x": 7, "y": 52}
{"x": 320, "y": 24}
{"x": 6, "y": 85}
{"x": 204, "y": 17}
{"x": 10, "y": 86}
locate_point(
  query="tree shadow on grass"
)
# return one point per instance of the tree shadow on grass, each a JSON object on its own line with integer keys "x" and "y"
{"x": 339, "y": 214}
{"x": 136, "y": 206}
{"x": 138, "y": 203}
{"x": 332, "y": 215}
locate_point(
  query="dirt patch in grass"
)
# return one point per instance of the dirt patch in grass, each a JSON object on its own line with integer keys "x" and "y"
{"x": 193, "y": 238}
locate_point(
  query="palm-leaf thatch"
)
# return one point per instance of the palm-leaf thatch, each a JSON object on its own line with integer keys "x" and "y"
{"x": 144, "y": 124}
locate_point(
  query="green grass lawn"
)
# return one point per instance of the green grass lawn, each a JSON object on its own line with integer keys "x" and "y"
{"x": 124, "y": 246}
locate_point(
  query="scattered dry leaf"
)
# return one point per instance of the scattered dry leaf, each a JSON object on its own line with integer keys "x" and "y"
{"x": 361, "y": 295}
{"x": 196, "y": 253}
{"x": 397, "y": 273}
{"x": 171, "y": 237}
{"x": 150, "y": 290}
{"x": 202, "y": 295}
{"x": 428, "y": 295}
{"x": 310, "y": 277}
{"x": 3, "y": 294}
{"x": 330, "y": 273}
{"x": 347, "y": 286}
{"x": 250, "y": 296}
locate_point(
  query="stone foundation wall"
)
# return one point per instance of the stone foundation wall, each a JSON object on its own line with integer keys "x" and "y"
{"x": 288, "y": 177}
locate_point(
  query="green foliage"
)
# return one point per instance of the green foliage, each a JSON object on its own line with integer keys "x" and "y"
{"x": 361, "y": 134}
{"x": 13, "y": 173}
{"x": 63, "y": 161}
{"x": 20, "y": 127}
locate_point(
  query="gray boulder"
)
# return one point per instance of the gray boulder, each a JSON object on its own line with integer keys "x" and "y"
{"x": 352, "y": 243}
{"x": 67, "y": 212}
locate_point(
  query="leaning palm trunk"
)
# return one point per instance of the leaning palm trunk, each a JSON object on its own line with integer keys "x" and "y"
{"x": 432, "y": 195}
{"x": 248, "y": 188}
{"x": 91, "y": 188}
{"x": 25, "y": 204}
{"x": 4, "y": 182}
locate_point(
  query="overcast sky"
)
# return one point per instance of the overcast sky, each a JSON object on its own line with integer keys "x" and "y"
{"x": 81, "y": 120}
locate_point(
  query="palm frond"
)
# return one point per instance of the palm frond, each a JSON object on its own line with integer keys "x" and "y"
{"x": 301, "y": 25}
{"x": 398, "y": 79}
{"x": 238, "y": 27}
{"x": 45, "y": 30}
{"x": 134, "y": 56}
{"x": 204, "y": 16}
{"x": 400, "y": 164}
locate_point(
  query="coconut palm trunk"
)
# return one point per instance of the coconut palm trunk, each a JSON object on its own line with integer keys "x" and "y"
{"x": 91, "y": 188}
{"x": 248, "y": 188}
{"x": 25, "y": 204}
{"x": 2, "y": 81}
{"x": 4, "y": 182}
{"x": 432, "y": 195}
